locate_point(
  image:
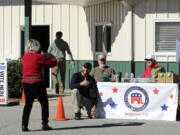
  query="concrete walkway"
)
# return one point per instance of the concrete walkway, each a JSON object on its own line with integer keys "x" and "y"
{"x": 10, "y": 122}
{"x": 52, "y": 97}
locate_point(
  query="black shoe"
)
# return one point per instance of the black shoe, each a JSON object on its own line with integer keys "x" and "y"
{"x": 46, "y": 127}
{"x": 25, "y": 128}
{"x": 77, "y": 116}
{"x": 57, "y": 88}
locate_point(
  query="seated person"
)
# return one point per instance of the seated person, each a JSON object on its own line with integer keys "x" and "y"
{"x": 102, "y": 72}
{"x": 84, "y": 92}
{"x": 153, "y": 68}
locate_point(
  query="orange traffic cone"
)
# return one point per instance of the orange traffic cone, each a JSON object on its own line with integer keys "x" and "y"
{"x": 23, "y": 97}
{"x": 60, "y": 111}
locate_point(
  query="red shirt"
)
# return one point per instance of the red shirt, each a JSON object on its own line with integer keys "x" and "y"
{"x": 147, "y": 73}
{"x": 33, "y": 64}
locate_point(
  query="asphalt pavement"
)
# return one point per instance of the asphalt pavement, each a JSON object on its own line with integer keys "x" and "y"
{"x": 11, "y": 115}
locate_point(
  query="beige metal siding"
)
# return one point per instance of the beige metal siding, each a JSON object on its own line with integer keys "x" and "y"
{"x": 11, "y": 17}
{"x": 151, "y": 10}
{"x": 48, "y": 14}
{"x": 73, "y": 30}
{"x": 7, "y": 29}
{"x": 84, "y": 46}
{"x": 15, "y": 40}
{"x": 77, "y": 23}
{"x": 119, "y": 16}
{"x": 58, "y": 17}
{"x": 145, "y": 13}
{"x": 21, "y": 12}
{"x": 1, "y": 30}
{"x": 173, "y": 8}
{"x": 139, "y": 31}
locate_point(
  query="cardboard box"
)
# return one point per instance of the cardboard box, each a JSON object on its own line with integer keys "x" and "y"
{"x": 161, "y": 78}
{"x": 171, "y": 78}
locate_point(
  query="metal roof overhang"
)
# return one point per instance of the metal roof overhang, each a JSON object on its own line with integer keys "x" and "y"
{"x": 81, "y": 2}
{"x": 72, "y": 2}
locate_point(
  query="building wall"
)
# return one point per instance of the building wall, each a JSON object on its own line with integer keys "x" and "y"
{"x": 11, "y": 17}
{"x": 130, "y": 42}
{"x": 70, "y": 19}
{"x": 76, "y": 22}
{"x": 145, "y": 12}
{"x": 119, "y": 16}
{"x": 78, "y": 25}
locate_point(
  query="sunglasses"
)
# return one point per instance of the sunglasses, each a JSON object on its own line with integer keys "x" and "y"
{"x": 103, "y": 59}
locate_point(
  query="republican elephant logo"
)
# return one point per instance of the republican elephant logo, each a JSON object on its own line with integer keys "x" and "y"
{"x": 136, "y": 97}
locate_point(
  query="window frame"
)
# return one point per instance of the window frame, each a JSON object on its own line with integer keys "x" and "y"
{"x": 103, "y": 24}
{"x": 154, "y": 36}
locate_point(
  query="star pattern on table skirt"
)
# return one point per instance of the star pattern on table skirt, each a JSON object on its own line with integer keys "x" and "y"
{"x": 156, "y": 91}
{"x": 113, "y": 105}
{"x": 101, "y": 94}
{"x": 164, "y": 107}
{"x": 115, "y": 90}
{"x": 171, "y": 96}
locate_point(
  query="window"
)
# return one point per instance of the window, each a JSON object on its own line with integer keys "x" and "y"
{"x": 166, "y": 34}
{"x": 103, "y": 38}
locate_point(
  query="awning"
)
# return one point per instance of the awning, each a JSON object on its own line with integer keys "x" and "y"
{"x": 73, "y": 2}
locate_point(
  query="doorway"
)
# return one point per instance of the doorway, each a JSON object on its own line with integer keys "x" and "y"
{"x": 42, "y": 34}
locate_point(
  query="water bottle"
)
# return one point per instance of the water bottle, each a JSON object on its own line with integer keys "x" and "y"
{"x": 132, "y": 75}
{"x": 132, "y": 78}
{"x": 126, "y": 75}
{"x": 117, "y": 77}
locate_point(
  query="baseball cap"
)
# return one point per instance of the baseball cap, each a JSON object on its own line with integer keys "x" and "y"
{"x": 150, "y": 57}
{"x": 101, "y": 56}
{"x": 87, "y": 65}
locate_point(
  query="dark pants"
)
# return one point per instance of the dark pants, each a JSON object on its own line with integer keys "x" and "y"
{"x": 33, "y": 91}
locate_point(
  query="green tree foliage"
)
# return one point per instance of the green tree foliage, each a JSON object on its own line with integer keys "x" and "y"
{"x": 14, "y": 69}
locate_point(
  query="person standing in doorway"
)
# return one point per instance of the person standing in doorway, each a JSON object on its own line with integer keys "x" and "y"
{"x": 59, "y": 48}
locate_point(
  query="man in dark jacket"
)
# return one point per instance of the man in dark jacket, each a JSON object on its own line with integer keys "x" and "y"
{"x": 84, "y": 92}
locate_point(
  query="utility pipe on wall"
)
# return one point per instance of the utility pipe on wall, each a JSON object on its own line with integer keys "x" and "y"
{"x": 28, "y": 14}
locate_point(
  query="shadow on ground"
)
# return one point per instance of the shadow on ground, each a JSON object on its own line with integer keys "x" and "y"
{"x": 100, "y": 126}
{"x": 13, "y": 103}
{"x": 57, "y": 95}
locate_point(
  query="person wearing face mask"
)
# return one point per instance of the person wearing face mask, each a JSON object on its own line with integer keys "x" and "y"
{"x": 153, "y": 68}
{"x": 102, "y": 72}
{"x": 84, "y": 92}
